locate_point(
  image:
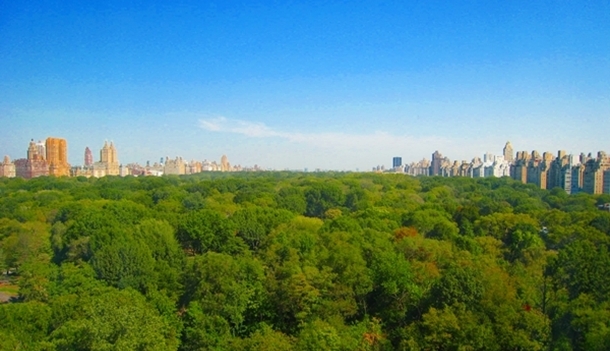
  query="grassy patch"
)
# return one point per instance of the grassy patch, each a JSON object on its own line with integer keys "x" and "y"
{"x": 9, "y": 288}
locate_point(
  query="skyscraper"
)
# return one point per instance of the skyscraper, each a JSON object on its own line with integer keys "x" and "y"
{"x": 109, "y": 160}
{"x": 396, "y": 162}
{"x": 488, "y": 157}
{"x": 593, "y": 177}
{"x": 57, "y": 157}
{"x": 508, "y": 152}
{"x": 435, "y": 165}
{"x": 34, "y": 151}
{"x": 34, "y": 165}
{"x": 41, "y": 148}
{"x": 225, "y": 166}
{"x": 88, "y": 157}
{"x": 108, "y": 153}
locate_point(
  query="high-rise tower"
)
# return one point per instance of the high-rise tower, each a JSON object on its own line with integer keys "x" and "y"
{"x": 396, "y": 162}
{"x": 34, "y": 152}
{"x": 435, "y": 166}
{"x": 508, "y": 152}
{"x": 34, "y": 165}
{"x": 57, "y": 157}
{"x": 109, "y": 160}
{"x": 225, "y": 166}
{"x": 593, "y": 177}
{"x": 88, "y": 157}
{"x": 104, "y": 152}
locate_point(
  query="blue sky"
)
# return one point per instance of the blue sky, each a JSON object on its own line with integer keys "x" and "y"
{"x": 317, "y": 84}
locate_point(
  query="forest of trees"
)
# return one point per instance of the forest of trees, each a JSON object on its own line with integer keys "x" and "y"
{"x": 291, "y": 261}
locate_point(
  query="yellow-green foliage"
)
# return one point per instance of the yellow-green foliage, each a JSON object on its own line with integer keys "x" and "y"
{"x": 291, "y": 261}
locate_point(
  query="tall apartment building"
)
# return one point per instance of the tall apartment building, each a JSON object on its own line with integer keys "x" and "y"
{"x": 606, "y": 185}
{"x": 396, "y": 162}
{"x": 35, "y": 165}
{"x": 453, "y": 170}
{"x": 41, "y": 148}
{"x": 497, "y": 168}
{"x": 176, "y": 166}
{"x": 108, "y": 165}
{"x": 564, "y": 179}
{"x": 7, "y": 168}
{"x": 546, "y": 177}
{"x": 435, "y": 164}
{"x": 109, "y": 160}
{"x": 194, "y": 167}
{"x": 464, "y": 169}
{"x": 533, "y": 166}
{"x": 578, "y": 178}
{"x": 546, "y": 171}
{"x": 477, "y": 168}
{"x": 508, "y": 152}
{"x": 593, "y": 177}
{"x": 57, "y": 157}
{"x": 418, "y": 168}
{"x": 225, "y": 166}
{"x": 561, "y": 172}
{"x": 539, "y": 169}
{"x": 88, "y": 157}
{"x": 518, "y": 169}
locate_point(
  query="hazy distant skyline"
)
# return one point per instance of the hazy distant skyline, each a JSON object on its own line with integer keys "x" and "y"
{"x": 331, "y": 85}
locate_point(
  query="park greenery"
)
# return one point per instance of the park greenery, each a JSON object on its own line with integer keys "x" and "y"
{"x": 291, "y": 261}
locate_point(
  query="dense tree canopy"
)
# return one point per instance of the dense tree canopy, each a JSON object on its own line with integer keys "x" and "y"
{"x": 292, "y": 261}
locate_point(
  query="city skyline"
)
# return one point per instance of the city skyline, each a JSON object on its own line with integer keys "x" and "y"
{"x": 108, "y": 155}
{"x": 324, "y": 85}
{"x": 86, "y": 158}
{"x": 573, "y": 173}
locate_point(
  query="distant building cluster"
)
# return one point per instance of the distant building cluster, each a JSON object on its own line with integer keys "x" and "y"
{"x": 179, "y": 166}
{"x": 584, "y": 173}
{"x": 50, "y": 158}
{"x": 108, "y": 165}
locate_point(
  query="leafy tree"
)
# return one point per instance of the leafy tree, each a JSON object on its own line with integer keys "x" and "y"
{"x": 74, "y": 279}
{"x": 291, "y": 199}
{"x": 24, "y": 243}
{"x": 114, "y": 320}
{"x": 35, "y": 277}
{"x": 318, "y": 335}
{"x": 394, "y": 288}
{"x": 523, "y": 243}
{"x": 451, "y": 328}
{"x": 169, "y": 259}
{"x": 224, "y": 286}
{"x": 601, "y": 222}
{"x": 458, "y": 285}
{"x": 583, "y": 267}
{"x": 265, "y": 339}
{"x": 345, "y": 261}
{"x": 125, "y": 264}
{"x": 352, "y": 282}
{"x": 207, "y": 230}
{"x": 24, "y": 326}
{"x": 193, "y": 201}
{"x": 255, "y": 223}
{"x": 321, "y": 197}
{"x": 432, "y": 223}
{"x": 204, "y": 331}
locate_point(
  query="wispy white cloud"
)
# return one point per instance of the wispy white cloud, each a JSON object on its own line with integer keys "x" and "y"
{"x": 343, "y": 150}
{"x": 222, "y": 124}
{"x": 336, "y": 140}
